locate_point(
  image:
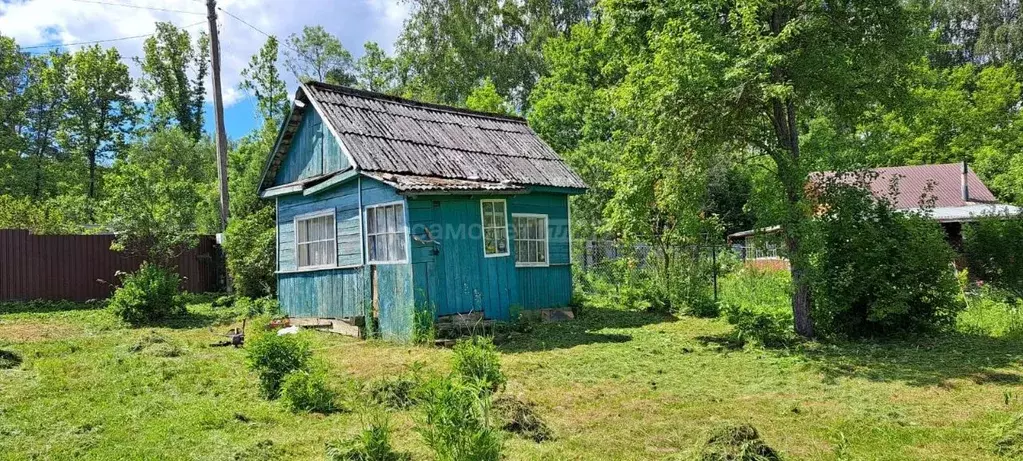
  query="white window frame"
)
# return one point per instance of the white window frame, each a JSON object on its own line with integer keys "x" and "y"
{"x": 404, "y": 230}
{"x": 507, "y": 224}
{"x": 308, "y": 216}
{"x": 546, "y": 238}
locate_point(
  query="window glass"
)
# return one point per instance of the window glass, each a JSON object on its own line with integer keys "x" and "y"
{"x": 385, "y": 233}
{"x": 315, "y": 241}
{"x": 530, "y": 240}
{"x": 495, "y": 228}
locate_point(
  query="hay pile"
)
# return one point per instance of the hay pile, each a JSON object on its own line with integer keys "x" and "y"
{"x": 519, "y": 417}
{"x": 737, "y": 443}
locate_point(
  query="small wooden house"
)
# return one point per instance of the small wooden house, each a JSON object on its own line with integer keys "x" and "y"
{"x": 387, "y": 205}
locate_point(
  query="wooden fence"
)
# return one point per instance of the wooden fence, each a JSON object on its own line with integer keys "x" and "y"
{"x": 83, "y": 267}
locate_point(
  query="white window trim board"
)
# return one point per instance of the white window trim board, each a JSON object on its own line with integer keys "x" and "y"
{"x": 483, "y": 223}
{"x": 546, "y": 239}
{"x": 311, "y": 215}
{"x": 365, "y": 243}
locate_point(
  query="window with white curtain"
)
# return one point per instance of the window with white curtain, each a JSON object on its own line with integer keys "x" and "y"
{"x": 531, "y": 244}
{"x": 386, "y": 233}
{"x": 316, "y": 240}
{"x": 495, "y": 227}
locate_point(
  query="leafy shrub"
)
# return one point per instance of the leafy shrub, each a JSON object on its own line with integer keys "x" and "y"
{"x": 476, "y": 361}
{"x": 308, "y": 391}
{"x": 258, "y": 306}
{"x": 456, "y": 422}
{"x": 250, "y": 244}
{"x": 424, "y": 330}
{"x": 877, "y": 270}
{"x": 674, "y": 279}
{"x": 273, "y": 357}
{"x": 9, "y": 359}
{"x": 519, "y": 417}
{"x": 223, "y": 301}
{"x": 760, "y": 327}
{"x": 737, "y": 443}
{"x": 372, "y": 444}
{"x": 994, "y": 249}
{"x": 147, "y": 295}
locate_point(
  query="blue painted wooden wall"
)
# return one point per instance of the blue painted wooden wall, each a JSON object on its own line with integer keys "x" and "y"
{"x": 314, "y": 151}
{"x": 453, "y": 276}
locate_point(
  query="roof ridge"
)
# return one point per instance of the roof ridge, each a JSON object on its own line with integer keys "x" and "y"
{"x": 414, "y": 103}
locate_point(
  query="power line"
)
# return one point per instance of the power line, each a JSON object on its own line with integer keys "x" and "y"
{"x": 93, "y": 42}
{"x": 126, "y": 5}
{"x": 281, "y": 42}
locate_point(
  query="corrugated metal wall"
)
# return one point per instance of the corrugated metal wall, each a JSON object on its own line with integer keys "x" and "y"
{"x": 82, "y": 267}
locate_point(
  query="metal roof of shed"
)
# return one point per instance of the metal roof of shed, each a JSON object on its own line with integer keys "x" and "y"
{"x": 386, "y": 134}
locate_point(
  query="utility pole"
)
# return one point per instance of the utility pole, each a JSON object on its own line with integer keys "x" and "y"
{"x": 218, "y": 111}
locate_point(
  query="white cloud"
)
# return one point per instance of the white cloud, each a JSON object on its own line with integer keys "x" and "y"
{"x": 44, "y": 22}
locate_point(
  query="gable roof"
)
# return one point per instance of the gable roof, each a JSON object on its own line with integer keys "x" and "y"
{"x": 432, "y": 146}
{"x": 945, "y": 181}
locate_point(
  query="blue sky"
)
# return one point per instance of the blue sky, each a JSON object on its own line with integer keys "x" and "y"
{"x": 49, "y": 22}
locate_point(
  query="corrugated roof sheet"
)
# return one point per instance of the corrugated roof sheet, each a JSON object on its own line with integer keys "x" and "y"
{"x": 945, "y": 181}
{"x": 426, "y": 184}
{"x": 399, "y": 136}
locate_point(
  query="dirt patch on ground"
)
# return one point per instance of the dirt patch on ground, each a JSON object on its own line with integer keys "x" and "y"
{"x": 27, "y": 332}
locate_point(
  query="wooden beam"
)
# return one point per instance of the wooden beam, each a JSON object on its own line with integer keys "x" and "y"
{"x": 336, "y": 180}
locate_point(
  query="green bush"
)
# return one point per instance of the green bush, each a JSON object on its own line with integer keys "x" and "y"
{"x": 476, "y": 361}
{"x": 308, "y": 391}
{"x": 766, "y": 328}
{"x": 994, "y": 250}
{"x": 147, "y": 295}
{"x": 372, "y": 444}
{"x": 456, "y": 422}
{"x": 273, "y": 357}
{"x": 258, "y": 306}
{"x": 876, "y": 270}
{"x": 250, "y": 245}
{"x": 675, "y": 280}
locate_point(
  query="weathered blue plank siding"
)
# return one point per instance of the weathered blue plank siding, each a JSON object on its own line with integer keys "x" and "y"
{"x": 454, "y": 276}
{"x": 546, "y": 287}
{"x": 332, "y": 293}
{"x": 344, "y": 199}
{"x": 313, "y": 151}
{"x": 394, "y": 300}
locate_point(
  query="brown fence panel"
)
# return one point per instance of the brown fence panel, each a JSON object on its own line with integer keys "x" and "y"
{"x": 83, "y": 267}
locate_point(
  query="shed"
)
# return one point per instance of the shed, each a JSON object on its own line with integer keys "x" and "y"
{"x": 387, "y": 205}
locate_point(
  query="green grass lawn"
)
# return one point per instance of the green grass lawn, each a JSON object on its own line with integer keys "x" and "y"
{"x": 612, "y": 384}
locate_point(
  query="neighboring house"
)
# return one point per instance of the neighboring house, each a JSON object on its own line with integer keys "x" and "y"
{"x": 386, "y": 205}
{"x": 953, "y": 193}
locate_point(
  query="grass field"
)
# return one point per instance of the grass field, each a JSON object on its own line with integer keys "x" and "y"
{"x": 613, "y": 385}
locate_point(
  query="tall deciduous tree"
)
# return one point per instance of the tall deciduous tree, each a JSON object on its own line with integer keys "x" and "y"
{"x": 376, "y": 71}
{"x": 173, "y": 77}
{"x": 100, "y": 111}
{"x": 47, "y": 98}
{"x": 13, "y": 83}
{"x": 319, "y": 55}
{"x": 712, "y": 80}
{"x": 263, "y": 80}
{"x": 448, "y": 47}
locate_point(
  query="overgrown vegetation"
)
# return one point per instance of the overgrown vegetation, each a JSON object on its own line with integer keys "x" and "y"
{"x": 878, "y": 271}
{"x": 456, "y": 421}
{"x": 372, "y": 444}
{"x": 308, "y": 390}
{"x": 476, "y": 362}
{"x": 273, "y": 357}
{"x": 147, "y": 295}
{"x": 424, "y": 330}
{"x": 994, "y": 251}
